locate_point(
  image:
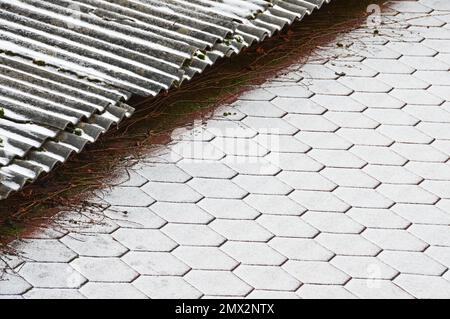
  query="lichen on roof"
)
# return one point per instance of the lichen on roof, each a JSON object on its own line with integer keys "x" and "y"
{"x": 67, "y": 67}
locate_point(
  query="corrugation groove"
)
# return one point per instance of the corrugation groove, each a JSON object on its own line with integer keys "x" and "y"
{"x": 67, "y": 67}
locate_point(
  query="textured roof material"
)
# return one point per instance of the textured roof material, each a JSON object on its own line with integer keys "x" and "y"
{"x": 67, "y": 67}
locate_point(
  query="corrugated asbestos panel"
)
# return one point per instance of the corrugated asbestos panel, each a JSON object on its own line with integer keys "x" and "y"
{"x": 67, "y": 67}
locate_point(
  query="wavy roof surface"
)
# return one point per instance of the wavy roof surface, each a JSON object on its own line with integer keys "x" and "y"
{"x": 67, "y": 67}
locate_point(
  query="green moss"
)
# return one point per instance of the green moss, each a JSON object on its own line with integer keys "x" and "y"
{"x": 201, "y": 56}
{"x": 239, "y": 38}
{"x": 78, "y": 131}
{"x": 39, "y": 62}
{"x": 187, "y": 63}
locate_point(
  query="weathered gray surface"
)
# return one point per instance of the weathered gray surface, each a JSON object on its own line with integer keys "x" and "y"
{"x": 345, "y": 194}
{"x": 66, "y": 65}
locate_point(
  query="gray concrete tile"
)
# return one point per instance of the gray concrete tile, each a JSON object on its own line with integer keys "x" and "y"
{"x": 308, "y": 291}
{"x": 128, "y": 196}
{"x": 319, "y": 201}
{"x": 435, "y": 130}
{"x": 364, "y": 267}
{"x": 404, "y": 134}
{"x": 258, "y": 108}
{"x": 391, "y": 116}
{"x": 289, "y": 90}
{"x": 218, "y": 283}
{"x": 306, "y": 181}
{"x": 171, "y": 192}
{"x": 378, "y": 155}
{"x": 408, "y": 194}
{"x": 242, "y": 230}
{"x": 349, "y": 177}
{"x": 155, "y": 263}
{"x": 101, "y": 269}
{"x": 432, "y": 234}
{"x": 217, "y": 188}
{"x": 301, "y": 249}
{"x": 316, "y": 272}
{"x": 271, "y": 294}
{"x": 287, "y": 226}
{"x": 419, "y": 152}
{"x": 394, "y": 239}
{"x": 99, "y": 245}
{"x": 253, "y": 253}
{"x": 422, "y": 214}
{"x": 430, "y": 171}
{"x": 376, "y": 289}
{"x": 370, "y": 85}
{"x": 252, "y": 165}
{"x": 332, "y": 222}
{"x": 424, "y": 286}
{"x": 439, "y": 254}
{"x": 135, "y": 217}
{"x": 348, "y": 244}
{"x": 339, "y": 103}
{"x": 439, "y": 188}
{"x": 351, "y": 69}
{"x": 412, "y": 263}
{"x": 258, "y": 94}
{"x": 378, "y": 100}
{"x": 144, "y": 239}
{"x": 323, "y": 140}
{"x": 327, "y": 87}
{"x": 94, "y": 290}
{"x": 198, "y": 150}
{"x": 387, "y": 66}
{"x": 181, "y": 213}
{"x": 363, "y": 197}
{"x": 298, "y": 105}
{"x": 313, "y": 123}
{"x": 337, "y": 158}
{"x": 51, "y": 275}
{"x": 45, "y": 250}
{"x": 318, "y": 72}
{"x": 268, "y": 185}
{"x": 47, "y": 293}
{"x": 379, "y": 218}
{"x": 366, "y": 137}
{"x": 419, "y": 97}
{"x": 205, "y": 258}
{"x": 267, "y": 278}
{"x": 193, "y": 235}
{"x": 403, "y": 81}
{"x": 352, "y": 120}
{"x": 392, "y": 174}
{"x": 206, "y": 169}
{"x": 274, "y": 205}
{"x": 228, "y": 208}
{"x": 242, "y": 146}
{"x": 425, "y": 63}
{"x": 82, "y": 222}
{"x": 435, "y": 114}
{"x": 13, "y": 284}
{"x": 294, "y": 162}
{"x": 163, "y": 173}
{"x": 282, "y": 143}
{"x": 166, "y": 288}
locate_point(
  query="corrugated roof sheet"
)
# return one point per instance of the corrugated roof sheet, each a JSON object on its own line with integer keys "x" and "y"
{"x": 67, "y": 67}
